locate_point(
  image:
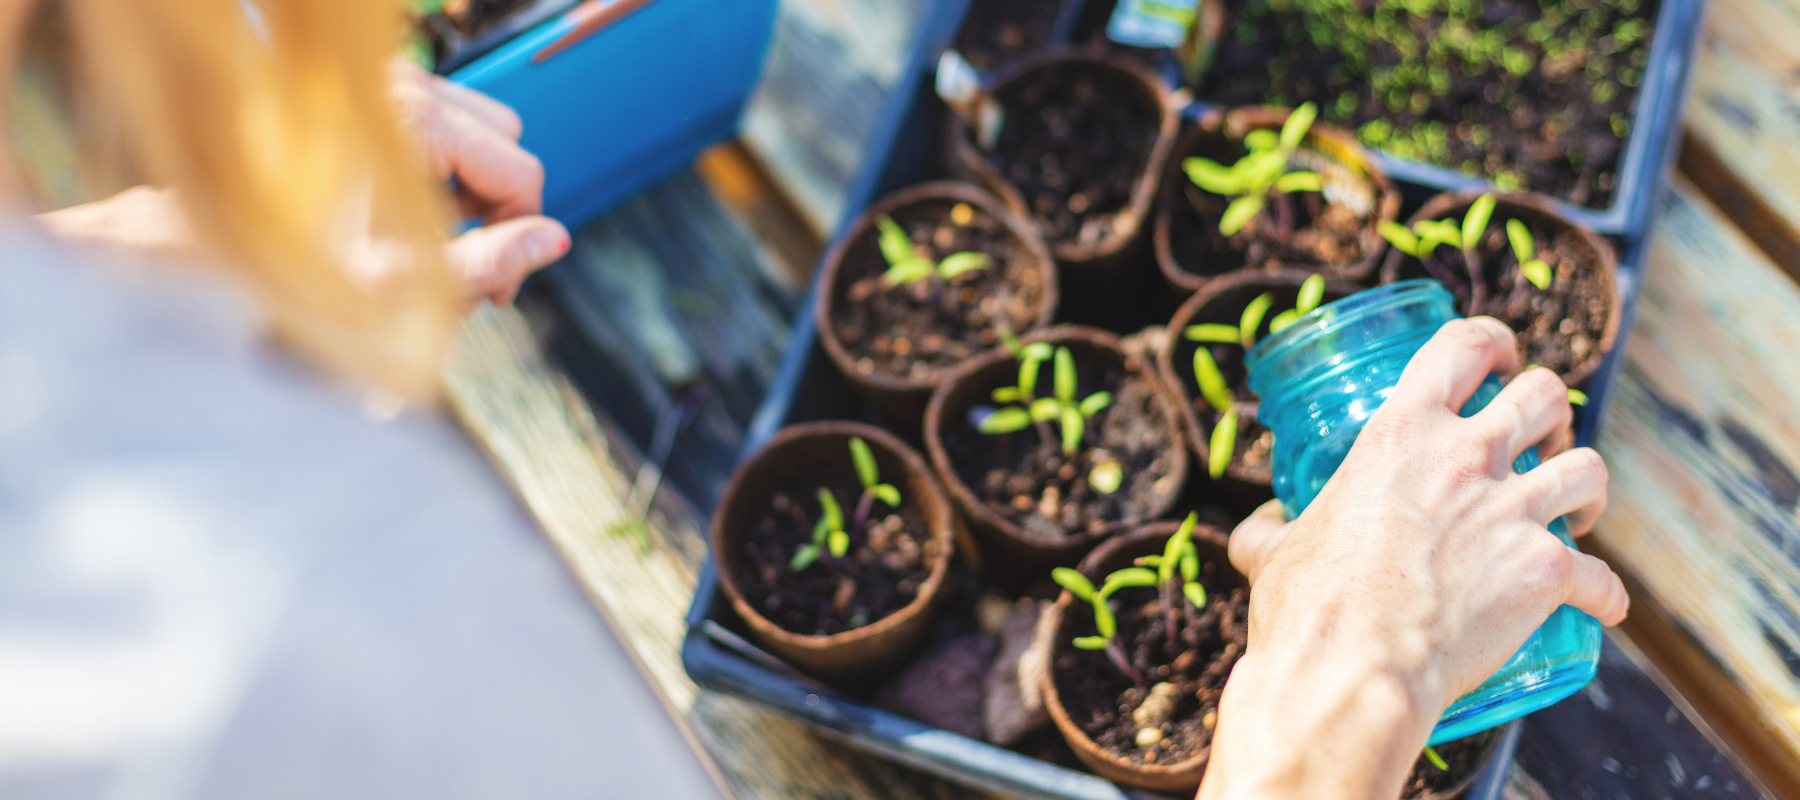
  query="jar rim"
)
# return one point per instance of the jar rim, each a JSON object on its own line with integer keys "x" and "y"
{"x": 1287, "y": 355}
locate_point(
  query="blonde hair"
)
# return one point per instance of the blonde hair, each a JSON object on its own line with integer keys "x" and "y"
{"x": 271, "y": 120}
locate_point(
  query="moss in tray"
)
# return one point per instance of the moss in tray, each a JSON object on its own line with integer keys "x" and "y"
{"x": 1531, "y": 94}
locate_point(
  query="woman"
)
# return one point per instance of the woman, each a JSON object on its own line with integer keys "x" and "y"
{"x": 218, "y": 578}
{"x": 221, "y": 574}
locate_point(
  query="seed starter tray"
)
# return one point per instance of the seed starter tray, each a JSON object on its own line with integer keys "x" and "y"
{"x": 906, "y": 148}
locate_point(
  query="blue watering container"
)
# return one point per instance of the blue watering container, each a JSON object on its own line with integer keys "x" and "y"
{"x": 618, "y": 94}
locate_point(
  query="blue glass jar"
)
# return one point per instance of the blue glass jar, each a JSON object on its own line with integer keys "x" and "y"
{"x": 1319, "y": 380}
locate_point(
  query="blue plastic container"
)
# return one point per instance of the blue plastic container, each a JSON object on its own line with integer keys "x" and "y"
{"x": 1319, "y": 381}
{"x": 617, "y": 95}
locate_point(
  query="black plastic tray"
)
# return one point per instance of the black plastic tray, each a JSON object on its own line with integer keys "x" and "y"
{"x": 906, "y": 149}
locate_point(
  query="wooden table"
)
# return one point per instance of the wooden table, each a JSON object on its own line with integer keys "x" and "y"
{"x": 1699, "y": 695}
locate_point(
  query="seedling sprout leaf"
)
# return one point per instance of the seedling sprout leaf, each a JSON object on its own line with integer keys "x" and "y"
{"x": 1190, "y": 565}
{"x": 907, "y": 271}
{"x": 1129, "y": 576}
{"x": 1038, "y": 351}
{"x": 1212, "y": 176}
{"x": 1090, "y": 643}
{"x": 1196, "y": 593}
{"x": 1072, "y": 428}
{"x": 958, "y": 263}
{"x": 840, "y": 543}
{"x": 1006, "y": 420}
{"x": 1173, "y": 549}
{"x": 1435, "y": 232}
{"x": 1431, "y": 755}
{"x": 1239, "y": 213}
{"x": 1401, "y": 237}
{"x": 1045, "y": 409}
{"x": 1106, "y": 477}
{"x": 1537, "y": 272}
{"x": 1213, "y": 332}
{"x": 1283, "y": 319}
{"x": 1476, "y": 221}
{"x": 896, "y": 246}
{"x": 887, "y": 493}
{"x": 1253, "y": 317}
{"x": 1312, "y": 291}
{"x": 803, "y": 558}
{"x": 1224, "y": 444}
{"x": 1064, "y": 374}
{"x": 1262, "y": 139}
{"x": 1006, "y": 394}
{"x": 1294, "y": 130}
{"x": 1300, "y": 182}
{"x": 1103, "y": 618}
{"x": 1578, "y": 397}
{"x": 1520, "y": 236}
{"x": 1075, "y": 582}
{"x": 1212, "y": 382}
{"x": 834, "y": 516}
{"x": 864, "y": 461}
{"x": 1095, "y": 403}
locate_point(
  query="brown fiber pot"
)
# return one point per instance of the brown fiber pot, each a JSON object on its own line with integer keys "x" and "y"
{"x": 1118, "y": 553}
{"x": 1534, "y": 208}
{"x": 1013, "y": 554}
{"x": 862, "y": 657}
{"x": 1128, "y": 239}
{"x": 1222, "y": 301}
{"x": 1220, "y": 126}
{"x": 901, "y": 400}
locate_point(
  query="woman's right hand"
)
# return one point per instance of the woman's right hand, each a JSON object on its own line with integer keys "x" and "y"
{"x": 1419, "y": 569}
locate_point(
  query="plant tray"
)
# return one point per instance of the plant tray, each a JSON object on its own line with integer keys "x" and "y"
{"x": 906, "y": 148}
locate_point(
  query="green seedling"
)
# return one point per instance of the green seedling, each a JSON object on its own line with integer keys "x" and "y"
{"x": 1530, "y": 266}
{"x": 1213, "y": 387}
{"x": 1425, "y": 236}
{"x": 1104, "y": 622}
{"x": 829, "y": 534}
{"x": 907, "y": 263}
{"x": 1061, "y": 407}
{"x": 1178, "y": 566}
{"x": 1431, "y": 755}
{"x": 1260, "y": 175}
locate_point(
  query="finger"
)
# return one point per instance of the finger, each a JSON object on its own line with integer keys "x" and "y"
{"x": 1534, "y": 406}
{"x": 1593, "y": 587}
{"x": 1571, "y": 485}
{"x": 1558, "y": 442}
{"x": 1446, "y": 371}
{"x": 498, "y": 174}
{"x": 494, "y": 260}
{"x": 493, "y": 113}
{"x": 1256, "y": 537}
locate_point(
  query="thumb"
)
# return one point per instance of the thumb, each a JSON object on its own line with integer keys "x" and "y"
{"x": 493, "y": 260}
{"x": 1256, "y": 537}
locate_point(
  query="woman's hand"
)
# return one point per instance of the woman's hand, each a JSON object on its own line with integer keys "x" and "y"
{"x": 474, "y": 139}
{"x": 462, "y": 133}
{"x": 1420, "y": 568}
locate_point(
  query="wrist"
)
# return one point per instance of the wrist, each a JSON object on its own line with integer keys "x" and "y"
{"x": 1315, "y": 716}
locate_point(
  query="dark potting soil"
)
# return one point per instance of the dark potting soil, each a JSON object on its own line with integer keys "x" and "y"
{"x": 1532, "y": 94}
{"x": 1101, "y": 700}
{"x": 881, "y": 572}
{"x": 1558, "y": 328}
{"x": 914, "y": 330}
{"x": 1322, "y": 233}
{"x": 1462, "y": 756}
{"x": 1075, "y": 143}
{"x": 1027, "y": 480}
{"x": 996, "y": 31}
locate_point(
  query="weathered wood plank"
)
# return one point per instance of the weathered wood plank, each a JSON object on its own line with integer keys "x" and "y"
{"x": 1743, "y": 120}
{"x": 574, "y": 479}
{"x": 1703, "y": 439}
{"x": 827, "y": 74}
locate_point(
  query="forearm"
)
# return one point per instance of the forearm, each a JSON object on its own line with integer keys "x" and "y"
{"x": 1316, "y": 715}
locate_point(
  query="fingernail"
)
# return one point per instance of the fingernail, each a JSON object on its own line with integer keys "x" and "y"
{"x": 546, "y": 245}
